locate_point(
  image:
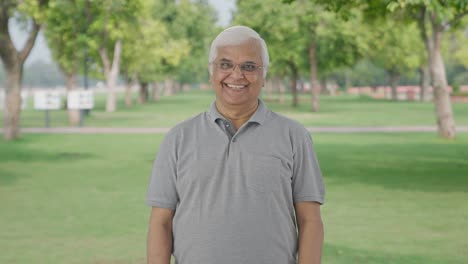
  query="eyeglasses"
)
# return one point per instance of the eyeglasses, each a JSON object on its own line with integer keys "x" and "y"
{"x": 247, "y": 68}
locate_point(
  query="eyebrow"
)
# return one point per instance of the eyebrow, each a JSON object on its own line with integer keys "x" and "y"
{"x": 227, "y": 60}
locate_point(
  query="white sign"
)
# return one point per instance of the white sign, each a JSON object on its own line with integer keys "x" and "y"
{"x": 83, "y": 99}
{"x": 24, "y": 100}
{"x": 46, "y": 100}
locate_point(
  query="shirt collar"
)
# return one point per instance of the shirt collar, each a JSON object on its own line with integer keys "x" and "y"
{"x": 258, "y": 117}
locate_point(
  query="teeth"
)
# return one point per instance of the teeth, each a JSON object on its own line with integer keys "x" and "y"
{"x": 235, "y": 87}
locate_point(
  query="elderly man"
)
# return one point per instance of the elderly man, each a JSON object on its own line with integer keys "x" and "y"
{"x": 229, "y": 186}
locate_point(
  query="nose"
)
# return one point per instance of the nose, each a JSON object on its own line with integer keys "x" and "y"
{"x": 237, "y": 72}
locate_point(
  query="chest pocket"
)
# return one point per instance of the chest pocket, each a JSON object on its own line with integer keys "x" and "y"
{"x": 263, "y": 172}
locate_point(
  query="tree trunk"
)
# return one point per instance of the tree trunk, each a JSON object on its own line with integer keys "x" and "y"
{"x": 156, "y": 92}
{"x": 130, "y": 82}
{"x": 443, "y": 105}
{"x": 426, "y": 69}
{"x": 73, "y": 114}
{"x": 347, "y": 79}
{"x": 394, "y": 80}
{"x": 269, "y": 90}
{"x": 111, "y": 72}
{"x": 169, "y": 87}
{"x": 293, "y": 83}
{"x": 177, "y": 87}
{"x": 143, "y": 93}
{"x": 128, "y": 94}
{"x": 323, "y": 86}
{"x": 424, "y": 82}
{"x": 282, "y": 91}
{"x": 314, "y": 83}
{"x": 12, "y": 111}
{"x": 13, "y": 61}
{"x": 432, "y": 39}
{"x": 275, "y": 86}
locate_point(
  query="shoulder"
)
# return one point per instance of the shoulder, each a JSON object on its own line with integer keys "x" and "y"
{"x": 188, "y": 123}
{"x": 293, "y": 127}
{"x": 187, "y": 126}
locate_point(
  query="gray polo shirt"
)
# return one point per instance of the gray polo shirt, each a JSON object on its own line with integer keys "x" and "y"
{"x": 233, "y": 192}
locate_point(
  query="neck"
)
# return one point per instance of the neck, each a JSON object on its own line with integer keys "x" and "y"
{"x": 238, "y": 115}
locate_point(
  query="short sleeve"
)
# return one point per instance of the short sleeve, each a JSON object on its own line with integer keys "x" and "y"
{"x": 162, "y": 191}
{"x": 307, "y": 181}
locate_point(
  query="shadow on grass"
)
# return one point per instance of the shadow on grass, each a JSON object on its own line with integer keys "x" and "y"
{"x": 7, "y": 177}
{"x": 340, "y": 104}
{"x": 338, "y": 254}
{"x": 411, "y": 166}
{"x": 19, "y": 152}
{"x": 24, "y": 154}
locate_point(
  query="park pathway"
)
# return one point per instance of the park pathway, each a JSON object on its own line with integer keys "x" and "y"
{"x": 153, "y": 130}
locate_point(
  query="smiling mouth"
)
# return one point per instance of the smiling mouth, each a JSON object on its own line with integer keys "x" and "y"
{"x": 235, "y": 87}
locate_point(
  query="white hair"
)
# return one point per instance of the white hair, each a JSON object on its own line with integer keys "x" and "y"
{"x": 234, "y": 36}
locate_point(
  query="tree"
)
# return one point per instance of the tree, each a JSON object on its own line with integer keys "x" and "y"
{"x": 150, "y": 49}
{"x": 278, "y": 25}
{"x": 304, "y": 37}
{"x": 33, "y": 13}
{"x": 110, "y": 22}
{"x": 66, "y": 36}
{"x": 434, "y": 18}
{"x": 396, "y": 48}
{"x": 195, "y": 22}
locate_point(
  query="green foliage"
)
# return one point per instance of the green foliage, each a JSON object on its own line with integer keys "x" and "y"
{"x": 278, "y": 24}
{"x": 341, "y": 42}
{"x": 34, "y": 9}
{"x": 365, "y": 73}
{"x": 66, "y": 33}
{"x": 396, "y": 47}
{"x": 109, "y": 21}
{"x": 289, "y": 30}
{"x": 73, "y": 26}
{"x": 148, "y": 46}
{"x": 195, "y": 22}
{"x": 443, "y": 11}
{"x": 191, "y": 26}
{"x": 459, "y": 43}
{"x": 170, "y": 40}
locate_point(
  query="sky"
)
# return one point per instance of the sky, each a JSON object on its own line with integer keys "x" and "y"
{"x": 42, "y": 52}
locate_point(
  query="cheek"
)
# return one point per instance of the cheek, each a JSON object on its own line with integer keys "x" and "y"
{"x": 216, "y": 79}
{"x": 258, "y": 82}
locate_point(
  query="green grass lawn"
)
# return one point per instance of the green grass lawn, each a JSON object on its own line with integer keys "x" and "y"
{"x": 391, "y": 198}
{"x": 342, "y": 110}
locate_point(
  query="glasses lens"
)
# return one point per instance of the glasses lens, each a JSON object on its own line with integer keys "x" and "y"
{"x": 226, "y": 66}
{"x": 248, "y": 67}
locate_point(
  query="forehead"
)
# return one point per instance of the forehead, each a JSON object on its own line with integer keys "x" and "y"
{"x": 247, "y": 51}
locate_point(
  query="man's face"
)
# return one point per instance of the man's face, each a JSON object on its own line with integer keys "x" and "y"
{"x": 238, "y": 87}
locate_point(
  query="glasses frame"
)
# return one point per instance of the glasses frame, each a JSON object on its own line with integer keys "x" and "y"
{"x": 258, "y": 69}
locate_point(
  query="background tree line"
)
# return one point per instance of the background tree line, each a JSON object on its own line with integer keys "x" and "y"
{"x": 143, "y": 42}
{"x": 146, "y": 43}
